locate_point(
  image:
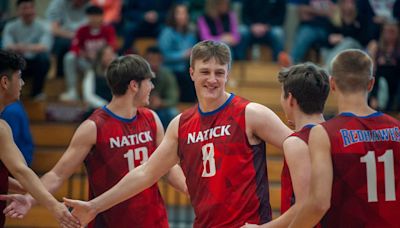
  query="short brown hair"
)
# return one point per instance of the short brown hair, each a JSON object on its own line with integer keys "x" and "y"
{"x": 308, "y": 83}
{"x": 125, "y": 69}
{"x": 352, "y": 70}
{"x": 207, "y": 49}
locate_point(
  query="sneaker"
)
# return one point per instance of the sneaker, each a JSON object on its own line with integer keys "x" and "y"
{"x": 70, "y": 95}
{"x": 284, "y": 59}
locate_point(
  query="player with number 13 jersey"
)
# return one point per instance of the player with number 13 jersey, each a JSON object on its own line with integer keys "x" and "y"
{"x": 123, "y": 144}
{"x": 225, "y": 175}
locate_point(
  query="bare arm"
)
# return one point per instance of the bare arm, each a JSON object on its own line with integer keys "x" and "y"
{"x": 318, "y": 201}
{"x": 14, "y": 186}
{"x": 264, "y": 124}
{"x": 13, "y": 160}
{"x": 81, "y": 143}
{"x": 175, "y": 176}
{"x": 135, "y": 181}
{"x": 297, "y": 157}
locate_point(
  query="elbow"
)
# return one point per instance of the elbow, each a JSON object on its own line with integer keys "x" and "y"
{"x": 321, "y": 206}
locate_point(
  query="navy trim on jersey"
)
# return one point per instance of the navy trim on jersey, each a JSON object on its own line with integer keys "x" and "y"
{"x": 349, "y": 114}
{"x": 309, "y": 126}
{"x": 126, "y": 120}
{"x": 218, "y": 109}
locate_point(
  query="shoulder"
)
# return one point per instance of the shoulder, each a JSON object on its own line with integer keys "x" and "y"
{"x": 5, "y": 129}
{"x": 255, "y": 109}
{"x": 294, "y": 145}
{"x": 13, "y": 23}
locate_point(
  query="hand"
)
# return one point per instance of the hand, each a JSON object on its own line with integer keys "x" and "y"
{"x": 247, "y": 225}
{"x": 335, "y": 38}
{"x": 151, "y": 17}
{"x": 64, "y": 217}
{"x": 82, "y": 210}
{"x": 259, "y": 29}
{"x": 18, "y": 206}
{"x": 228, "y": 39}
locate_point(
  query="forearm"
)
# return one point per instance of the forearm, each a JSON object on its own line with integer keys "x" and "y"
{"x": 51, "y": 181}
{"x": 177, "y": 179}
{"x": 28, "y": 179}
{"x": 14, "y": 186}
{"x": 309, "y": 215}
{"x": 131, "y": 184}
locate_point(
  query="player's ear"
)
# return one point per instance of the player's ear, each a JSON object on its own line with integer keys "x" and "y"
{"x": 371, "y": 84}
{"x": 191, "y": 71}
{"x": 4, "y": 81}
{"x": 134, "y": 85}
{"x": 332, "y": 83}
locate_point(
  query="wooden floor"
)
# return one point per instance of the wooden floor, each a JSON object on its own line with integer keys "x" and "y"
{"x": 254, "y": 81}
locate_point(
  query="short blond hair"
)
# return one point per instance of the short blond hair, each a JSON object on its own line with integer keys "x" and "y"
{"x": 207, "y": 49}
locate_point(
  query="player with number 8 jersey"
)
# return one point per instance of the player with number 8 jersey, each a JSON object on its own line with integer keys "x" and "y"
{"x": 367, "y": 182}
{"x": 121, "y": 145}
{"x": 214, "y": 153}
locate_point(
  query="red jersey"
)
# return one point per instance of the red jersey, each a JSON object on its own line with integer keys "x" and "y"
{"x": 3, "y": 190}
{"x": 366, "y": 171}
{"x": 225, "y": 175}
{"x": 121, "y": 145}
{"x": 287, "y": 193}
{"x": 92, "y": 40}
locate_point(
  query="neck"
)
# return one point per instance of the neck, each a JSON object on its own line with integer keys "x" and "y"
{"x": 355, "y": 103}
{"x": 209, "y": 105}
{"x": 123, "y": 107}
{"x": 302, "y": 120}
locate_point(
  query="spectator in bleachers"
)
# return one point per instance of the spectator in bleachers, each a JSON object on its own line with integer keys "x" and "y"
{"x": 374, "y": 13}
{"x": 30, "y": 37}
{"x": 165, "y": 95}
{"x": 386, "y": 55}
{"x": 14, "y": 114}
{"x": 220, "y": 23}
{"x": 142, "y": 19}
{"x": 95, "y": 90}
{"x": 347, "y": 33}
{"x": 111, "y": 8}
{"x": 66, "y": 16}
{"x": 315, "y": 16}
{"x": 265, "y": 20}
{"x": 88, "y": 40}
{"x": 176, "y": 41}
{"x": 4, "y": 16}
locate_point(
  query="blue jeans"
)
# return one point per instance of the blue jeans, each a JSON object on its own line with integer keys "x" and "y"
{"x": 307, "y": 36}
{"x": 274, "y": 38}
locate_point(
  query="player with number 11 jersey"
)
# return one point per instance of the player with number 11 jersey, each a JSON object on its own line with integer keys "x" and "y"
{"x": 225, "y": 175}
{"x": 366, "y": 163}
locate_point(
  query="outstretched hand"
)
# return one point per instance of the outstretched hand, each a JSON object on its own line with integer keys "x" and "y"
{"x": 64, "y": 217}
{"x": 82, "y": 210}
{"x": 18, "y": 206}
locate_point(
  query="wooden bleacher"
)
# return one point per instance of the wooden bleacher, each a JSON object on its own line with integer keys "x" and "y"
{"x": 254, "y": 81}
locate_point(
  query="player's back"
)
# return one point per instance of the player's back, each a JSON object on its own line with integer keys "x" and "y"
{"x": 366, "y": 171}
{"x": 225, "y": 175}
{"x": 121, "y": 145}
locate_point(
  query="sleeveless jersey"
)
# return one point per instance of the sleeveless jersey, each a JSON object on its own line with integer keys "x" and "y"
{"x": 121, "y": 145}
{"x": 3, "y": 190}
{"x": 225, "y": 175}
{"x": 366, "y": 171}
{"x": 287, "y": 193}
